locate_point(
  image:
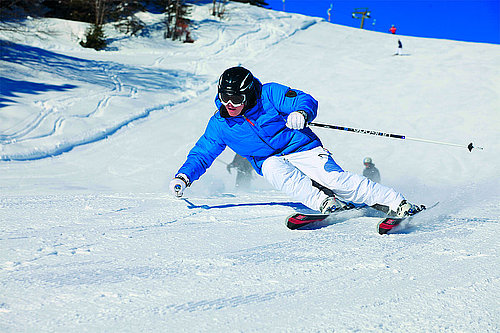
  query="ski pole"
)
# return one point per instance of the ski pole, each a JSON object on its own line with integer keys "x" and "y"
{"x": 220, "y": 161}
{"x": 470, "y": 146}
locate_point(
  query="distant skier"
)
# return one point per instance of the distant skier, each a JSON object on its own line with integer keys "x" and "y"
{"x": 370, "y": 171}
{"x": 392, "y": 29}
{"x": 400, "y": 48}
{"x": 244, "y": 171}
{"x": 266, "y": 124}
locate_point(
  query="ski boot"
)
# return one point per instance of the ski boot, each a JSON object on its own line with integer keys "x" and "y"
{"x": 407, "y": 209}
{"x": 332, "y": 204}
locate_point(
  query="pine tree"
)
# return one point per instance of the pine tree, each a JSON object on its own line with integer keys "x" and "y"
{"x": 95, "y": 38}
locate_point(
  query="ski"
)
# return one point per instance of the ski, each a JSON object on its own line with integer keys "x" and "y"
{"x": 299, "y": 220}
{"x": 387, "y": 223}
{"x": 390, "y": 222}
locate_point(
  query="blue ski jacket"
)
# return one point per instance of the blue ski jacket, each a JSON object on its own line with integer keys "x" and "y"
{"x": 258, "y": 133}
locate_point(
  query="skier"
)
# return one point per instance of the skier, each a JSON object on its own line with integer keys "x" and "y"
{"x": 244, "y": 169}
{"x": 266, "y": 124}
{"x": 400, "y": 48}
{"x": 370, "y": 171}
{"x": 392, "y": 29}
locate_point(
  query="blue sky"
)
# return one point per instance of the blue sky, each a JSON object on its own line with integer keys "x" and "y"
{"x": 465, "y": 20}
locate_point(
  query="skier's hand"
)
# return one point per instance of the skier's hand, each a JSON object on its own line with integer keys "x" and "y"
{"x": 178, "y": 185}
{"x": 296, "y": 120}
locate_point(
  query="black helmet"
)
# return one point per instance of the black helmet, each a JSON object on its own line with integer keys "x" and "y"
{"x": 238, "y": 81}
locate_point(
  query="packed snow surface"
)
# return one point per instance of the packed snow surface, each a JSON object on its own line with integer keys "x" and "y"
{"x": 91, "y": 240}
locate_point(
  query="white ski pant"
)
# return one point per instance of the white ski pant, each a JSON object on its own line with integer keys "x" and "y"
{"x": 292, "y": 175}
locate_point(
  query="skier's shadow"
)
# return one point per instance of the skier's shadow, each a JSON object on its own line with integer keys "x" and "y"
{"x": 297, "y": 206}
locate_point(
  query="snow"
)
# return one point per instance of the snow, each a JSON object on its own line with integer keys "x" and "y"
{"x": 91, "y": 240}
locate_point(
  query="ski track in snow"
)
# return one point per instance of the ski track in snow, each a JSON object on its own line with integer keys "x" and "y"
{"x": 55, "y": 113}
{"x": 123, "y": 83}
{"x": 61, "y": 273}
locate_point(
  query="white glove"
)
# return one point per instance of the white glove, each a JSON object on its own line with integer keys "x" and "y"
{"x": 296, "y": 120}
{"x": 178, "y": 185}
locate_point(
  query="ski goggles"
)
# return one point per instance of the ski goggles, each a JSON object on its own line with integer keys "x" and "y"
{"x": 236, "y": 100}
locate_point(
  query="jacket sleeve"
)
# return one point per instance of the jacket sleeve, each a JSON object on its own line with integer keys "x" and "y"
{"x": 204, "y": 152}
{"x": 287, "y": 100}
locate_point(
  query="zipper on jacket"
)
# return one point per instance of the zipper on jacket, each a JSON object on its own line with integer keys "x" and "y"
{"x": 249, "y": 121}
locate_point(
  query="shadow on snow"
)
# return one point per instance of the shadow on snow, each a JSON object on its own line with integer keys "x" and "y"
{"x": 102, "y": 73}
{"x": 295, "y": 205}
{"x": 117, "y": 80}
{"x": 10, "y": 88}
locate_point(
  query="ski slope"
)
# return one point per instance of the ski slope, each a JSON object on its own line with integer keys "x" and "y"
{"x": 91, "y": 240}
